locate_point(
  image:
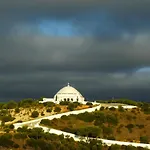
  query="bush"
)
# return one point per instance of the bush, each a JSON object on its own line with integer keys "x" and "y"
{"x": 57, "y": 109}
{"x": 15, "y": 145}
{"x": 129, "y": 127}
{"x": 11, "y": 126}
{"x": 102, "y": 108}
{"x": 112, "y": 119}
{"x": 4, "y": 113}
{"x": 7, "y": 118}
{"x": 34, "y": 114}
{"x": 144, "y": 139}
{"x": 89, "y": 131}
{"x": 107, "y": 130}
{"x": 140, "y": 126}
{"x": 112, "y": 108}
{"x": 45, "y": 122}
{"x": 5, "y": 140}
{"x": 49, "y": 110}
{"x": 49, "y": 104}
{"x": 26, "y": 102}
{"x": 87, "y": 117}
{"x": 10, "y": 105}
{"x": 20, "y": 136}
{"x": 64, "y": 117}
{"x": 115, "y": 147}
{"x": 100, "y": 117}
{"x": 64, "y": 103}
{"x": 89, "y": 103}
{"x": 17, "y": 110}
{"x": 70, "y": 107}
{"x": 120, "y": 108}
{"x": 111, "y": 138}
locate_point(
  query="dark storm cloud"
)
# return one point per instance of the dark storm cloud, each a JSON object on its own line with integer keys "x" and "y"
{"x": 101, "y": 65}
{"x": 85, "y": 15}
{"x": 34, "y": 53}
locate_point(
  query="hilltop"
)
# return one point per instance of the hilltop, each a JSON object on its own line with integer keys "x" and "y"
{"x": 108, "y": 122}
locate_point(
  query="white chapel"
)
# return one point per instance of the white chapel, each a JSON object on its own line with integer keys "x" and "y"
{"x": 67, "y": 93}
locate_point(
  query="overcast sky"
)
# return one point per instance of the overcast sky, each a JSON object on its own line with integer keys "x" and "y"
{"x": 100, "y": 47}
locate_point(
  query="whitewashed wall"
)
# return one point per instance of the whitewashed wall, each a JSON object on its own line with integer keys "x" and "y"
{"x": 125, "y": 107}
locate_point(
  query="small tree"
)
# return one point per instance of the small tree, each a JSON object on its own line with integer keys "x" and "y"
{"x": 11, "y": 126}
{"x": 144, "y": 139}
{"x": 34, "y": 114}
{"x": 12, "y": 104}
{"x": 17, "y": 110}
{"x": 102, "y": 108}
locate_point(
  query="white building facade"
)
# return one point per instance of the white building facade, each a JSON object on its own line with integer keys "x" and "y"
{"x": 67, "y": 93}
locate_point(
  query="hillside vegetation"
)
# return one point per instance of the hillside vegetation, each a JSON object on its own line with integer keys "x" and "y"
{"x": 29, "y": 109}
{"x": 116, "y": 124}
{"x": 36, "y": 139}
{"x": 119, "y": 124}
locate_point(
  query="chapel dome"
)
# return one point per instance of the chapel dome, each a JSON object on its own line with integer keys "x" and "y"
{"x": 68, "y": 90}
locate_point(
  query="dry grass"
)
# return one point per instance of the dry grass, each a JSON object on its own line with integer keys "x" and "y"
{"x": 25, "y": 113}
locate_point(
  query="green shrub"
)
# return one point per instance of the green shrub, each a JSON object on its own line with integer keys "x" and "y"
{"x": 27, "y": 103}
{"x": 120, "y": 108}
{"x": 49, "y": 104}
{"x": 17, "y": 110}
{"x": 57, "y": 109}
{"x": 7, "y": 118}
{"x": 35, "y": 114}
{"x": 4, "y": 112}
{"x": 89, "y": 103}
{"x": 5, "y": 140}
{"x": 45, "y": 122}
{"x": 129, "y": 127}
{"x": 107, "y": 130}
{"x": 15, "y": 145}
{"x": 87, "y": 117}
{"x": 49, "y": 110}
{"x": 144, "y": 139}
{"x": 11, "y": 126}
{"x": 112, "y": 119}
{"x": 112, "y": 108}
{"x": 64, "y": 117}
{"x": 140, "y": 126}
{"x": 20, "y": 135}
{"x": 102, "y": 108}
{"x": 64, "y": 103}
{"x": 11, "y": 105}
{"x": 115, "y": 147}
